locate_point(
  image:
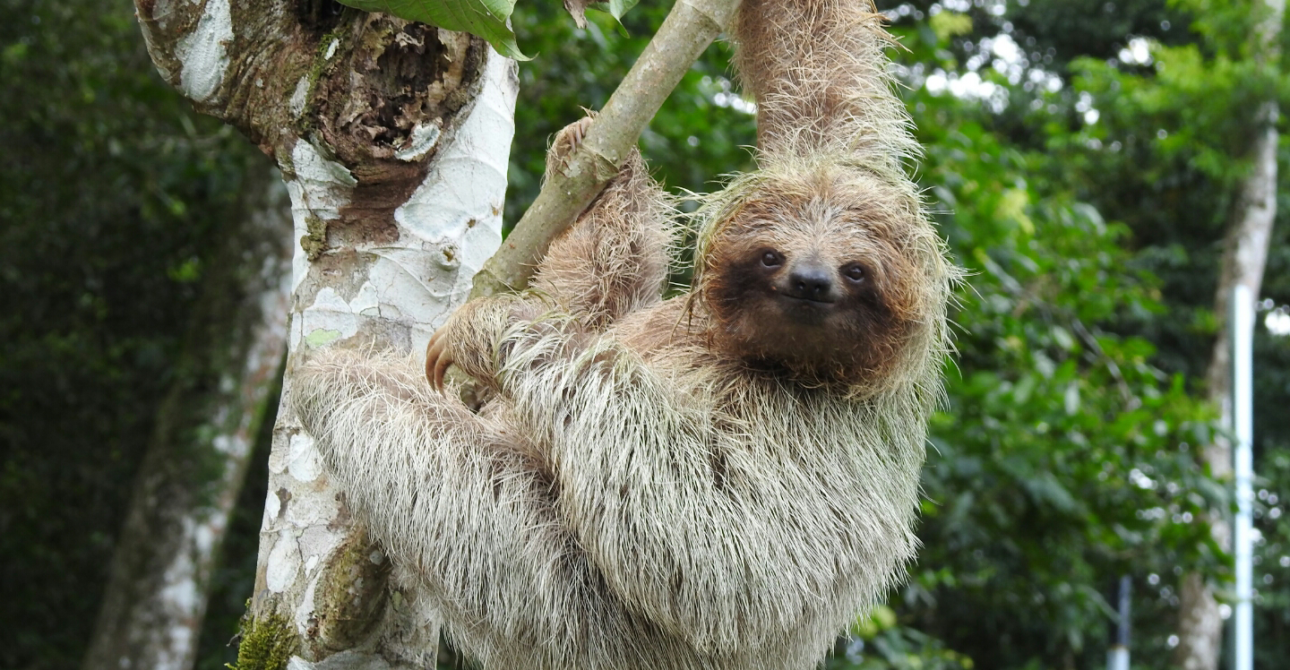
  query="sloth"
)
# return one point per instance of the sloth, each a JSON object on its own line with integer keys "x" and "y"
{"x": 721, "y": 480}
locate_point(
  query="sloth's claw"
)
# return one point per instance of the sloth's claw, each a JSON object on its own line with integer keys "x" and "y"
{"x": 579, "y": 129}
{"x": 570, "y": 138}
{"x": 437, "y": 359}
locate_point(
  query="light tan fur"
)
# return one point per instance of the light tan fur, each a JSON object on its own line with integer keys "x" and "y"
{"x": 615, "y": 260}
{"x": 720, "y": 481}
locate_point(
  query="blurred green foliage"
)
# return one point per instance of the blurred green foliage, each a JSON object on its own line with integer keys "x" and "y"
{"x": 110, "y": 192}
{"x": 1068, "y": 453}
{"x": 697, "y": 136}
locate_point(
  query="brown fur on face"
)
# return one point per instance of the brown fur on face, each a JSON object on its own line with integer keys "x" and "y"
{"x": 811, "y": 272}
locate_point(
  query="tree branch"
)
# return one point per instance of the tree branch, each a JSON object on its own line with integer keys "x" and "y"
{"x": 689, "y": 28}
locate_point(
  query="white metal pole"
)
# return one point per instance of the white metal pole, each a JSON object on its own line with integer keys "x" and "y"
{"x": 1118, "y": 657}
{"x": 1242, "y": 339}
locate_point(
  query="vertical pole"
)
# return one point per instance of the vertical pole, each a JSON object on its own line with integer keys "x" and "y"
{"x": 1118, "y": 657}
{"x": 1242, "y": 338}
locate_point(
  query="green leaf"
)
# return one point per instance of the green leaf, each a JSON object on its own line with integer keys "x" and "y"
{"x": 485, "y": 18}
{"x": 619, "y": 7}
{"x": 614, "y": 8}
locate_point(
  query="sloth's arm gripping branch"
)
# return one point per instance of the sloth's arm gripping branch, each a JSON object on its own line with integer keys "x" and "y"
{"x": 612, "y": 261}
{"x": 470, "y": 337}
{"x": 614, "y": 258}
{"x": 819, "y": 74}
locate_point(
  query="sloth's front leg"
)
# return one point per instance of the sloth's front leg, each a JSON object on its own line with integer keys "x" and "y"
{"x": 613, "y": 260}
{"x": 470, "y": 337}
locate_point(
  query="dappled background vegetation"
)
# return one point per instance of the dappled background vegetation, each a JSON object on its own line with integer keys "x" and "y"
{"x": 111, "y": 192}
{"x": 1081, "y": 159}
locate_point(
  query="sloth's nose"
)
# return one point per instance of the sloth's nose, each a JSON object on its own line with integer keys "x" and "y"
{"x": 811, "y": 282}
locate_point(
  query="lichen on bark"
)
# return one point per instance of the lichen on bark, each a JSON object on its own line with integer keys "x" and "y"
{"x": 352, "y": 595}
{"x": 267, "y": 643}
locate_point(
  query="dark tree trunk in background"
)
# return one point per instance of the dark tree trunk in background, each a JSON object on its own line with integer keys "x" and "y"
{"x": 205, "y": 429}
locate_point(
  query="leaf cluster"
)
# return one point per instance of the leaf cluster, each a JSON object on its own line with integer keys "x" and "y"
{"x": 489, "y": 19}
{"x": 1068, "y": 455}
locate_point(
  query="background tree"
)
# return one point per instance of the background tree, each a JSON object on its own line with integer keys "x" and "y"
{"x": 115, "y": 203}
{"x": 1151, "y": 125}
{"x": 204, "y": 433}
{"x": 1245, "y": 252}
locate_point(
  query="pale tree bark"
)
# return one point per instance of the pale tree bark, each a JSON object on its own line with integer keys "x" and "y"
{"x": 1245, "y": 251}
{"x": 196, "y": 463}
{"x": 393, "y": 139}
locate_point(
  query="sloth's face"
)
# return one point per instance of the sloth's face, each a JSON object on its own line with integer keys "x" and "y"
{"x": 814, "y": 282}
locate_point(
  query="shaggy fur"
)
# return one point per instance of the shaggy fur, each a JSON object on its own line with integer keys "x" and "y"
{"x": 721, "y": 481}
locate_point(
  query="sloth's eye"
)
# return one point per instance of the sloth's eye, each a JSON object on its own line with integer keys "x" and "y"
{"x": 854, "y": 272}
{"x": 771, "y": 259}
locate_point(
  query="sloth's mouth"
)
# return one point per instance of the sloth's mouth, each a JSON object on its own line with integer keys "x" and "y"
{"x": 805, "y": 312}
{"x": 805, "y": 301}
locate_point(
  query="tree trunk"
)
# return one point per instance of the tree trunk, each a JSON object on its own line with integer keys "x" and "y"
{"x": 393, "y": 138}
{"x": 1245, "y": 252}
{"x": 195, "y": 465}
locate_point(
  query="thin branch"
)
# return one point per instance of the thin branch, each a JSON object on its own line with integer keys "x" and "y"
{"x": 689, "y": 28}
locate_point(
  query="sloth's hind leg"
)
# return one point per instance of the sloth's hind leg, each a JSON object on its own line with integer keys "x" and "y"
{"x": 460, "y": 501}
